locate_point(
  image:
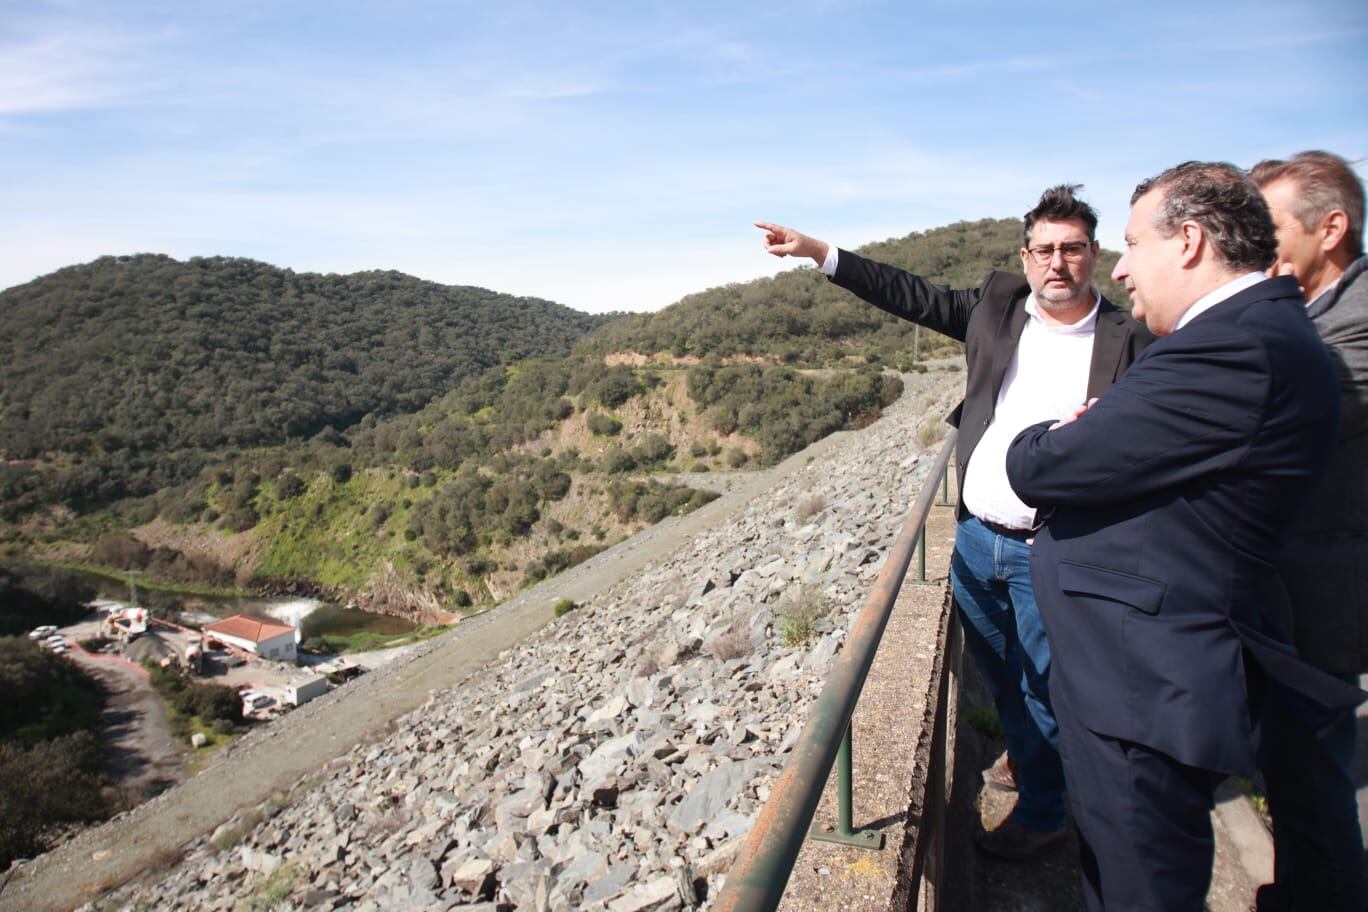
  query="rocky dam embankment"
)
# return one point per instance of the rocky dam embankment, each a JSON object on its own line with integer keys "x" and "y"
{"x": 615, "y": 759}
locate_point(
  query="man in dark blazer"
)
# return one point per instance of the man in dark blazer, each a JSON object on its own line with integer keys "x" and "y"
{"x": 1169, "y": 502}
{"x": 1037, "y": 346}
{"x": 1317, "y": 203}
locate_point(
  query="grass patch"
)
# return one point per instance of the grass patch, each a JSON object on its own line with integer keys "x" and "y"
{"x": 734, "y": 642}
{"x": 984, "y": 722}
{"x": 930, "y": 433}
{"x": 268, "y": 894}
{"x": 809, "y": 507}
{"x": 797, "y": 617}
{"x": 1256, "y": 797}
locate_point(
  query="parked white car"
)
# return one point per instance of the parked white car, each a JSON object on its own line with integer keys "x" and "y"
{"x": 39, "y": 633}
{"x": 252, "y": 699}
{"x": 56, "y": 640}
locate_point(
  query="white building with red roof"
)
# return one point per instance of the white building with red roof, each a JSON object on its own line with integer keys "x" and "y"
{"x": 267, "y": 637}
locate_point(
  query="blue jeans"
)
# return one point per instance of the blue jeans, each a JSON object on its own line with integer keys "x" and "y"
{"x": 991, "y": 577}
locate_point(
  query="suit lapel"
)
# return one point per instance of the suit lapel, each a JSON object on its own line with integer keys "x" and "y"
{"x": 1109, "y": 341}
{"x": 1011, "y": 326}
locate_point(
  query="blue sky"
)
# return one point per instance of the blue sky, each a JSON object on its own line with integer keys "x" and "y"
{"x": 612, "y": 155}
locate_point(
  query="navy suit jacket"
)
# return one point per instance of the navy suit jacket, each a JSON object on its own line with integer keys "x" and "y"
{"x": 1171, "y": 499}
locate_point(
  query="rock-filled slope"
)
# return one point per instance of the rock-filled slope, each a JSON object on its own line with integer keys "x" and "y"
{"x": 615, "y": 760}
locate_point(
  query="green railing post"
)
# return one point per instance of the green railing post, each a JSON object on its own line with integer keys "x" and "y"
{"x": 945, "y": 488}
{"x": 757, "y": 877}
{"x": 846, "y": 834}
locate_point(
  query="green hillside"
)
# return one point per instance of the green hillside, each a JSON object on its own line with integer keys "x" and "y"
{"x": 406, "y": 445}
{"x": 124, "y": 375}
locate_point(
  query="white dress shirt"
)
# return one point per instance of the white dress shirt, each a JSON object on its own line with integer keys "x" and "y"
{"x": 1047, "y": 379}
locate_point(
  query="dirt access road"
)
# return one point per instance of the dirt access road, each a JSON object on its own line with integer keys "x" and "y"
{"x": 275, "y": 757}
{"x": 145, "y": 760}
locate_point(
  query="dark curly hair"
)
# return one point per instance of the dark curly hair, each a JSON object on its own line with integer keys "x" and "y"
{"x": 1225, "y": 202}
{"x": 1060, "y": 203}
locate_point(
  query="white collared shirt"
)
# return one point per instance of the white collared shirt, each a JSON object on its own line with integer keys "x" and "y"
{"x": 1047, "y": 379}
{"x": 1212, "y": 298}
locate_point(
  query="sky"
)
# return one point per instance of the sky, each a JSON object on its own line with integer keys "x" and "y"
{"x": 612, "y": 155}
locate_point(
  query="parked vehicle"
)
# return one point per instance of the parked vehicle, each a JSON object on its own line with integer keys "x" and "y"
{"x": 252, "y": 699}
{"x": 39, "y": 633}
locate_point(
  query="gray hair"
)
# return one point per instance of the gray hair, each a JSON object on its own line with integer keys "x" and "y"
{"x": 1325, "y": 182}
{"x": 1225, "y": 202}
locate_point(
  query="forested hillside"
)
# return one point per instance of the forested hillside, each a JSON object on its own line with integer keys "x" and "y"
{"x": 413, "y": 447}
{"x": 127, "y": 374}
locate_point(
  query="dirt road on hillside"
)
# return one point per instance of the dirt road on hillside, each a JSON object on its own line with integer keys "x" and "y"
{"x": 274, "y": 758}
{"x": 145, "y": 760}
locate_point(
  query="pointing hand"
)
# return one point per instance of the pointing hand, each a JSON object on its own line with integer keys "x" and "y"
{"x": 782, "y": 242}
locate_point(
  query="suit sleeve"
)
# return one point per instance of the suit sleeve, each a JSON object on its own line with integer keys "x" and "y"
{"x": 1189, "y": 407}
{"x": 902, "y": 294}
{"x": 1348, "y": 345}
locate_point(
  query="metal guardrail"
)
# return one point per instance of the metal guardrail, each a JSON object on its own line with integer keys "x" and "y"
{"x": 757, "y": 879}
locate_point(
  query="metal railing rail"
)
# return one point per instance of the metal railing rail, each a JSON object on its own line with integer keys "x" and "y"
{"x": 757, "y": 879}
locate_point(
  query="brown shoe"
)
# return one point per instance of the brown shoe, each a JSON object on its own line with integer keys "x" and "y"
{"x": 1002, "y": 774}
{"x": 1016, "y": 843}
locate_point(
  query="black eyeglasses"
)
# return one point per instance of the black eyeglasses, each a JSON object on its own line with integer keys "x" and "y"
{"x": 1071, "y": 253}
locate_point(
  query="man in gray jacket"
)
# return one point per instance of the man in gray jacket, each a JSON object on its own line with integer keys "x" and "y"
{"x": 1317, "y": 204}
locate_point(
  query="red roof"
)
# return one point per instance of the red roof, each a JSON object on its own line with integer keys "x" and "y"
{"x": 247, "y": 627}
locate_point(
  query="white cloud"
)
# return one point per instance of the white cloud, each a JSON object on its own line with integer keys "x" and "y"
{"x": 69, "y": 70}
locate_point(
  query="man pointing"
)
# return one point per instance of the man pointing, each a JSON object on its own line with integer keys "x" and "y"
{"x": 1036, "y": 348}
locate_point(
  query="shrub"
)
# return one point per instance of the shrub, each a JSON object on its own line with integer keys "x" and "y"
{"x": 736, "y": 457}
{"x": 798, "y": 615}
{"x": 655, "y": 448}
{"x": 601, "y": 425}
{"x": 122, "y": 551}
{"x": 289, "y": 485}
{"x": 564, "y": 607}
{"x": 615, "y": 388}
{"x": 50, "y": 783}
{"x": 734, "y": 642}
{"x": 930, "y": 433}
{"x": 558, "y": 409}
{"x": 809, "y": 507}
{"x": 241, "y": 519}
{"x": 616, "y": 461}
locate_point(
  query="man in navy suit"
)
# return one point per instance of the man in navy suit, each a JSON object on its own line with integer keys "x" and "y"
{"x": 1168, "y": 503}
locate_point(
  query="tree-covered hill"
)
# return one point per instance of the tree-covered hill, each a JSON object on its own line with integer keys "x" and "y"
{"x": 128, "y": 372}
{"x": 413, "y": 447}
{"x": 798, "y": 316}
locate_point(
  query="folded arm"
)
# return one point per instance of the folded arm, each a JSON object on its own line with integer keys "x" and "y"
{"x": 1189, "y": 407}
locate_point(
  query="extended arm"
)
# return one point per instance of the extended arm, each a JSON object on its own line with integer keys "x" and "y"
{"x": 892, "y": 290}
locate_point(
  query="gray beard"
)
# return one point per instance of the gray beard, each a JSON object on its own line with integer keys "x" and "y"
{"x": 1084, "y": 294}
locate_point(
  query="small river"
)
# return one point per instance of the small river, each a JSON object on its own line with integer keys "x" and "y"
{"x": 312, "y": 617}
